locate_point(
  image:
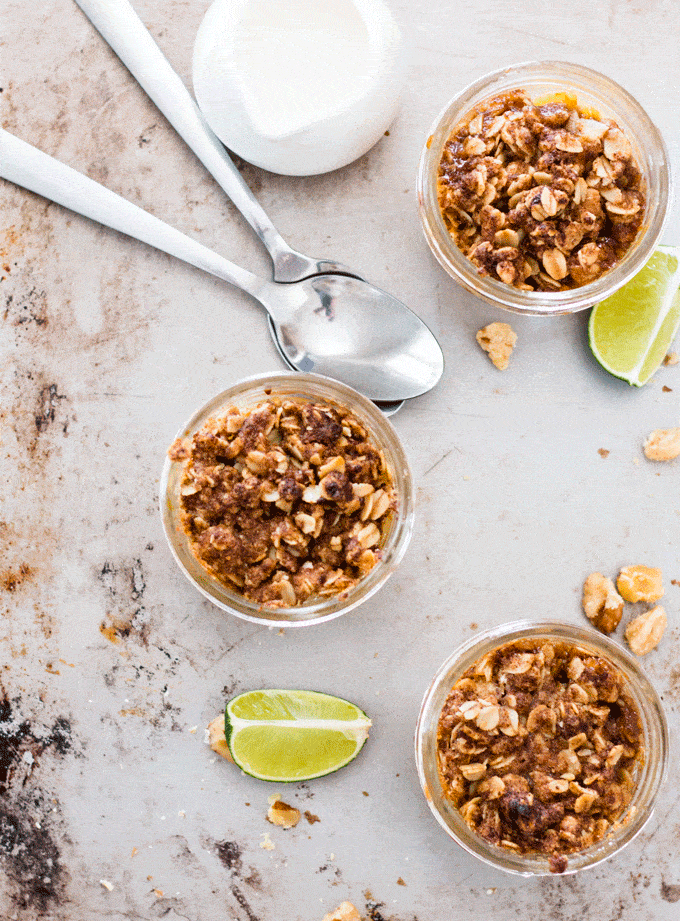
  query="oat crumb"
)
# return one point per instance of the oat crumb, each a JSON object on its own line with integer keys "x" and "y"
{"x": 644, "y": 632}
{"x": 282, "y": 814}
{"x": 106, "y": 884}
{"x": 663, "y": 445}
{"x": 498, "y": 339}
{"x": 216, "y": 738}
{"x": 267, "y": 844}
{"x": 344, "y": 912}
{"x": 602, "y": 604}
{"x": 671, "y": 359}
{"x": 640, "y": 583}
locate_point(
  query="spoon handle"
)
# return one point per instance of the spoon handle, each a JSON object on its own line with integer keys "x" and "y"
{"x": 32, "y": 169}
{"x": 121, "y": 27}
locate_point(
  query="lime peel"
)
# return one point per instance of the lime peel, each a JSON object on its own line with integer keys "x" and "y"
{"x": 630, "y": 332}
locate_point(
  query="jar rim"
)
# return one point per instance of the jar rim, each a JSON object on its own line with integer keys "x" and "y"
{"x": 650, "y": 149}
{"x": 653, "y": 771}
{"x": 251, "y": 390}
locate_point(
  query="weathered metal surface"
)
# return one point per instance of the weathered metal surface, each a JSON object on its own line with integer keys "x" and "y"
{"x": 110, "y": 659}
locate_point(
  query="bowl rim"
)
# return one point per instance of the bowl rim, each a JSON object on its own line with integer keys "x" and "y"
{"x": 397, "y": 542}
{"x": 504, "y": 633}
{"x": 543, "y": 303}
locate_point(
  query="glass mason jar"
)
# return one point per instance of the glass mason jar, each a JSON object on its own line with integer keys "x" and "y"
{"x": 651, "y": 773}
{"x": 246, "y": 394}
{"x": 592, "y": 89}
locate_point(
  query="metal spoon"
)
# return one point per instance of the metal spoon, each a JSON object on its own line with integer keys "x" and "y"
{"x": 120, "y": 26}
{"x": 331, "y": 324}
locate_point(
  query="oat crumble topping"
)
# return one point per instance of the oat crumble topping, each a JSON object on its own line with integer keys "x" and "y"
{"x": 543, "y": 197}
{"x": 539, "y": 744}
{"x": 287, "y": 502}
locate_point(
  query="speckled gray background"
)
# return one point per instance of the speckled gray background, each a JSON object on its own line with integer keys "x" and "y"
{"x": 110, "y": 659}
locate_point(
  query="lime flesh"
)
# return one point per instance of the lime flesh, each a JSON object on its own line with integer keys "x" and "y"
{"x": 630, "y": 332}
{"x": 285, "y": 736}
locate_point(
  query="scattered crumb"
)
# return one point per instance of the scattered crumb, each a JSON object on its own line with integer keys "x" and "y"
{"x": 498, "y": 339}
{"x": 282, "y": 814}
{"x": 636, "y": 461}
{"x": 400, "y": 882}
{"x": 344, "y": 912}
{"x": 675, "y": 582}
{"x": 181, "y": 814}
{"x": 644, "y": 632}
{"x": 107, "y": 885}
{"x": 473, "y": 625}
{"x": 640, "y": 583}
{"x": 663, "y": 444}
{"x": 281, "y": 632}
{"x": 158, "y": 893}
{"x": 603, "y": 452}
{"x": 602, "y": 605}
{"x": 267, "y": 844}
{"x": 671, "y": 359}
{"x": 311, "y": 818}
{"x": 365, "y": 793}
{"x": 667, "y": 389}
{"x": 216, "y": 738}
{"x": 193, "y": 729}
{"x": 134, "y": 851}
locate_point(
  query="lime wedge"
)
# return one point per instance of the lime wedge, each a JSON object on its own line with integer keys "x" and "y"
{"x": 630, "y": 332}
{"x": 293, "y": 735}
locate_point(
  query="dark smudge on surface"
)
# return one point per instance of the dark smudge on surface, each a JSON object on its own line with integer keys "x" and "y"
{"x": 30, "y": 840}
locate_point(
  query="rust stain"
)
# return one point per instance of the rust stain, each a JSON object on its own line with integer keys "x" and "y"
{"x": 110, "y": 632}
{"x": 12, "y": 579}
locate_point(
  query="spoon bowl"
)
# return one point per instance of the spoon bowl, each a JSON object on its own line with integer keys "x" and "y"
{"x": 347, "y": 329}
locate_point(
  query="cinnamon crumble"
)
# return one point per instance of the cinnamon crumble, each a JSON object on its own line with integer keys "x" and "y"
{"x": 286, "y": 502}
{"x": 539, "y": 745}
{"x": 543, "y": 196}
